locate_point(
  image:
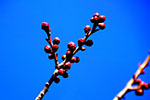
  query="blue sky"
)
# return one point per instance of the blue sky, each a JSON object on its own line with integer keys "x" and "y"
{"x": 104, "y": 68}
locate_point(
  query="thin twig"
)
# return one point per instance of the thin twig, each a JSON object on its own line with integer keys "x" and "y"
{"x": 129, "y": 87}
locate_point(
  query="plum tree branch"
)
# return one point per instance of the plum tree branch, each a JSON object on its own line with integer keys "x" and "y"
{"x": 60, "y": 69}
{"x": 129, "y": 86}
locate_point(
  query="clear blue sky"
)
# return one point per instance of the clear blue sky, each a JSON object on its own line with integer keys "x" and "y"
{"x": 104, "y": 68}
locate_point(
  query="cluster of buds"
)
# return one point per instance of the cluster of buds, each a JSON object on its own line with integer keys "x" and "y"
{"x": 53, "y": 49}
{"x": 62, "y": 68}
{"x": 72, "y": 49}
{"x": 98, "y": 19}
{"x": 70, "y": 52}
{"x": 141, "y": 86}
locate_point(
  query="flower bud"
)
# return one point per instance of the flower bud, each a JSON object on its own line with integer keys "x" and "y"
{"x": 71, "y": 46}
{"x": 81, "y": 42}
{"x": 87, "y": 28}
{"x": 139, "y": 92}
{"x": 89, "y": 43}
{"x": 56, "y": 40}
{"x": 56, "y": 79}
{"x": 47, "y": 49}
{"x": 54, "y": 47}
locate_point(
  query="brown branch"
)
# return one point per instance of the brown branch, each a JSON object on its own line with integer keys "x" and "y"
{"x": 45, "y": 26}
{"x": 128, "y": 86}
{"x": 47, "y": 85}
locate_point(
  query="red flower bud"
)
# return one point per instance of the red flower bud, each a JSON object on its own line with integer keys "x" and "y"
{"x": 47, "y": 49}
{"x": 87, "y": 28}
{"x": 73, "y": 59}
{"x": 96, "y": 18}
{"x": 81, "y": 42}
{"x": 68, "y": 53}
{"x": 54, "y": 47}
{"x": 77, "y": 59}
{"x": 139, "y": 92}
{"x": 50, "y": 56}
{"x": 45, "y": 25}
{"x": 101, "y": 25}
{"x": 56, "y": 40}
{"x": 89, "y": 43}
{"x": 61, "y": 71}
{"x": 101, "y": 19}
{"x": 67, "y": 65}
{"x": 71, "y": 46}
{"x": 56, "y": 79}
{"x": 96, "y": 14}
{"x": 65, "y": 75}
{"x": 63, "y": 57}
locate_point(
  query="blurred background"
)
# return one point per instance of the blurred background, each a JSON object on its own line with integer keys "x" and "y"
{"x": 103, "y": 70}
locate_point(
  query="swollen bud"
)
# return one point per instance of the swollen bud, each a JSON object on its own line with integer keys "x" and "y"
{"x": 45, "y": 26}
{"x": 63, "y": 57}
{"x": 51, "y": 56}
{"x": 81, "y": 42}
{"x": 139, "y": 92}
{"x": 96, "y": 14}
{"x": 47, "y": 49}
{"x": 56, "y": 40}
{"x": 68, "y": 53}
{"x": 54, "y": 47}
{"x": 73, "y": 60}
{"x": 67, "y": 65}
{"x": 61, "y": 71}
{"x": 71, "y": 46}
{"x": 89, "y": 43}
{"x": 101, "y": 19}
{"x": 56, "y": 79}
{"x": 87, "y": 28}
{"x": 101, "y": 25}
{"x": 77, "y": 59}
{"x": 65, "y": 75}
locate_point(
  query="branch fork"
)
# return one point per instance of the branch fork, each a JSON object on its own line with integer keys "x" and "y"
{"x": 62, "y": 68}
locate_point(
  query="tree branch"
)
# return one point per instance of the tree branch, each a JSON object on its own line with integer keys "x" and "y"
{"x": 59, "y": 68}
{"x": 129, "y": 87}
